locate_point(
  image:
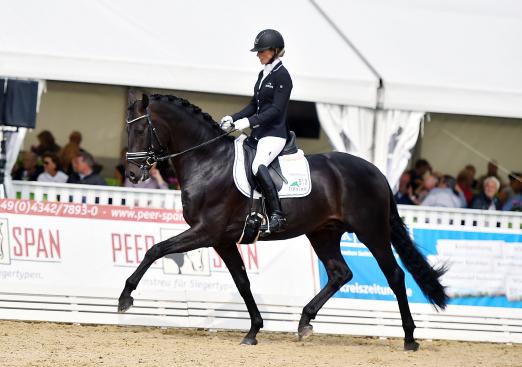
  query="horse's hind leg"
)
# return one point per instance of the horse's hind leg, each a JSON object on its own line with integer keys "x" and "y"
{"x": 326, "y": 244}
{"x": 236, "y": 267}
{"x": 381, "y": 250}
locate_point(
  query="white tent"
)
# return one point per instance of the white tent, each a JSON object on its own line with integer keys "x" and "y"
{"x": 187, "y": 45}
{"x": 430, "y": 55}
{"x": 447, "y": 56}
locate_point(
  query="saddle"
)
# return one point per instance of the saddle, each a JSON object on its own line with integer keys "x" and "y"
{"x": 255, "y": 219}
{"x": 250, "y": 148}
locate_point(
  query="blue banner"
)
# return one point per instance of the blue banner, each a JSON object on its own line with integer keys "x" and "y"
{"x": 485, "y": 268}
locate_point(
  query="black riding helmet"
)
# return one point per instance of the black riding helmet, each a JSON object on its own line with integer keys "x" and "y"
{"x": 269, "y": 38}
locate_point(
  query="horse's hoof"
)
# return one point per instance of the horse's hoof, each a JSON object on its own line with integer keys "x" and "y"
{"x": 125, "y": 303}
{"x": 248, "y": 341}
{"x": 413, "y": 346}
{"x": 305, "y": 331}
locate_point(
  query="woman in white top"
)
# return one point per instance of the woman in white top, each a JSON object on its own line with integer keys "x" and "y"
{"x": 52, "y": 172}
{"x": 155, "y": 181}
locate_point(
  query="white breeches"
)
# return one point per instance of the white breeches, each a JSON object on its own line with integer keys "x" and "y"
{"x": 268, "y": 148}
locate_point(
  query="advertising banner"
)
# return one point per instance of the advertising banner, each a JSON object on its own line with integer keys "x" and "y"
{"x": 484, "y": 267}
{"x": 88, "y": 250}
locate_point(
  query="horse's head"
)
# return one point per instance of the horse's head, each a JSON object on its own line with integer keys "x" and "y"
{"x": 144, "y": 146}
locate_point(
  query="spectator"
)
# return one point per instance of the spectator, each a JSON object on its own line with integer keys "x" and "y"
{"x": 83, "y": 165}
{"x": 47, "y": 144}
{"x": 514, "y": 203}
{"x": 465, "y": 181}
{"x": 66, "y": 157}
{"x": 422, "y": 166}
{"x": 446, "y": 194}
{"x": 119, "y": 170}
{"x": 472, "y": 172}
{"x": 405, "y": 193}
{"x": 29, "y": 170}
{"x": 492, "y": 171}
{"x": 487, "y": 199}
{"x": 69, "y": 151}
{"x": 155, "y": 181}
{"x": 430, "y": 181}
{"x": 52, "y": 172}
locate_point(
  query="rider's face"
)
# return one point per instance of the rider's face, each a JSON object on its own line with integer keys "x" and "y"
{"x": 265, "y": 56}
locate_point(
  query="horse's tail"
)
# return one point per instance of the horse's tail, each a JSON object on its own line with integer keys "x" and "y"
{"x": 426, "y": 276}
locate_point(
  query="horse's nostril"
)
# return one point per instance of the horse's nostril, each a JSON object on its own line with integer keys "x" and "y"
{"x": 131, "y": 175}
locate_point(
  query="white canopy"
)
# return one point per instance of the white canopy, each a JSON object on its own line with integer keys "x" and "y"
{"x": 433, "y": 55}
{"x": 187, "y": 45}
{"x": 450, "y": 56}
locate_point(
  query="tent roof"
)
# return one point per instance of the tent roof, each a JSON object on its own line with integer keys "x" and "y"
{"x": 440, "y": 55}
{"x": 186, "y": 45}
{"x": 432, "y": 55}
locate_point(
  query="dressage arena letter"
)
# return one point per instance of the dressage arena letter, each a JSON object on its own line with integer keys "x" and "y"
{"x": 129, "y": 249}
{"x": 36, "y": 244}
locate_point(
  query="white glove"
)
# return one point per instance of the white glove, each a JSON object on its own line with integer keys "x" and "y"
{"x": 226, "y": 123}
{"x": 242, "y": 124}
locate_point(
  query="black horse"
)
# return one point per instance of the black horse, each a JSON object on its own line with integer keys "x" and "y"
{"x": 348, "y": 194}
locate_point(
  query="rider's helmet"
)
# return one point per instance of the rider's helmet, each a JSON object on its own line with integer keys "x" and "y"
{"x": 269, "y": 38}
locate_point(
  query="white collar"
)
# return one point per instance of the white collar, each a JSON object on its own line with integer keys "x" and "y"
{"x": 269, "y": 67}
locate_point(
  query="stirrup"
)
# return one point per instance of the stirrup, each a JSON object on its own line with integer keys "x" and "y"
{"x": 275, "y": 223}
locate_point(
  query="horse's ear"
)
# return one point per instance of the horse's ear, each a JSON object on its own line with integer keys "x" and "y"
{"x": 144, "y": 100}
{"x": 131, "y": 97}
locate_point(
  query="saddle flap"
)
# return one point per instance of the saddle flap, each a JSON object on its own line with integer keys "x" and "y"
{"x": 294, "y": 167}
{"x": 250, "y": 148}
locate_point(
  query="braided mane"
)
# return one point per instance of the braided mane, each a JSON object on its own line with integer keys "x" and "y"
{"x": 187, "y": 106}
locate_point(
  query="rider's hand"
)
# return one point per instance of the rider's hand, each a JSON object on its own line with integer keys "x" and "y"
{"x": 226, "y": 123}
{"x": 242, "y": 124}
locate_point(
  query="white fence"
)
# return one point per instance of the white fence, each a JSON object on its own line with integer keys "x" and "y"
{"x": 358, "y": 317}
{"x": 104, "y": 195}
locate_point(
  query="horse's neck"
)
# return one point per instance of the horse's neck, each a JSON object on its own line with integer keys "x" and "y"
{"x": 202, "y": 165}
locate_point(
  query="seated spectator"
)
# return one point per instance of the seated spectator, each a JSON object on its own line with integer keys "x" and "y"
{"x": 66, "y": 157}
{"x": 29, "y": 170}
{"x": 405, "y": 193}
{"x": 446, "y": 195}
{"x": 119, "y": 170}
{"x": 155, "y": 181}
{"x": 83, "y": 165}
{"x": 47, "y": 144}
{"x": 52, "y": 172}
{"x": 472, "y": 172}
{"x": 430, "y": 181}
{"x": 492, "y": 170}
{"x": 487, "y": 199}
{"x": 422, "y": 167}
{"x": 514, "y": 203}
{"x": 465, "y": 181}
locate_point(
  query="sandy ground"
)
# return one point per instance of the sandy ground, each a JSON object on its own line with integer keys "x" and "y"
{"x": 49, "y": 344}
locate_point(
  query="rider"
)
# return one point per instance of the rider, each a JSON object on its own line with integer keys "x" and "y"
{"x": 266, "y": 115}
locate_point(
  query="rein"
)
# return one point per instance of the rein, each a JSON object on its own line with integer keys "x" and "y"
{"x": 165, "y": 157}
{"x": 150, "y": 156}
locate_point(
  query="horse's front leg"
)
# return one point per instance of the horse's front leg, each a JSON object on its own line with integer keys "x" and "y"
{"x": 191, "y": 239}
{"x": 236, "y": 267}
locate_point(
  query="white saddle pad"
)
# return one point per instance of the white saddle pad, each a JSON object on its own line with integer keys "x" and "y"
{"x": 295, "y": 169}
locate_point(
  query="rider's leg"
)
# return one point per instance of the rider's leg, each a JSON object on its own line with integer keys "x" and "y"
{"x": 268, "y": 148}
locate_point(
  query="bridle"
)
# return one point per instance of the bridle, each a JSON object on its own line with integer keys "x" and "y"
{"x": 149, "y": 157}
{"x": 152, "y": 155}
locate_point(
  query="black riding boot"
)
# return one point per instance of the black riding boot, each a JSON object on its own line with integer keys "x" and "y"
{"x": 277, "y": 220}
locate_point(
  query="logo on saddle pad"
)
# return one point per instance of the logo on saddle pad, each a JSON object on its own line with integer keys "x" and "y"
{"x": 294, "y": 167}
